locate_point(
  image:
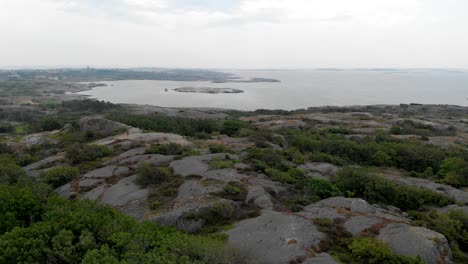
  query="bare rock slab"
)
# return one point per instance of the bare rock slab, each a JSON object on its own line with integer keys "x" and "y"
{"x": 414, "y": 241}
{"x": 274, "y": 237}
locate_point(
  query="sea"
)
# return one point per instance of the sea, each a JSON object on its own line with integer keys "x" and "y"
{"x": 299, "y": 89}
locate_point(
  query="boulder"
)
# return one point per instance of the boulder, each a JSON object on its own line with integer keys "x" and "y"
{"x": 38, "y": 139}
{"x": 414, "y": 241}
{"x": 258, "y": 196}
{"x": 319, "y": 170}
{"x": 274, "y": 237}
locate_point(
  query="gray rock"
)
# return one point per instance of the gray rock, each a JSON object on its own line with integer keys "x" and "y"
{"x": 42, "y": 163}
{"x": 453, "y": 207}
{"x": 197, "y": 165}
{"x": 267, "y": 184}
{"x": 125, "y": 191}
{"x": 176, "y": 215}
{"x": 38, "y": 139}
{"x": 95, "y": 194}
{"x": 458, "y": 195}
{"x": 153, "y": 159}
{"x": 197, "y": 189}
{"x": 127, "y": 154}
{"x": 414, "y": 241}
{"x": 64, "y": 191}
{"x": 257, "y": 195}
{"x": 325, "y": 169}
{"x": 345, "y": 208}
{"x": 88, "y": 184}
{"x": 100, "y": 125}
{"x": 354, "y": 205}
{"x": 356, "y": 224}
{"x": 321, "y": 258}
{"x": 224, "y": 175}
{"x": 274, "y": 237}
{"x": 108, "y": 172}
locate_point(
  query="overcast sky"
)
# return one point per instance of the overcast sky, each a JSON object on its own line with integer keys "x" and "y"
{"x": 235, "y": 33}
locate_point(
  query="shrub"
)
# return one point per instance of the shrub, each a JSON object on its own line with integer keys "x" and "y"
{"x": 320, "y": 188}
{"x": 374, "y": 251}
{"x": 222, "y": 210}
{"x": 79, "y": 153}
{"x": 454, "y": 171}
{"x": 374, "y": 189}
{"x": 220, "y": 148}
{"x": 232, "y": 127}
{"x": 60, "y": 176}
{"x": 453, "y": 225}
{"x": 148, "y": 174}
{"x": 10, "y": 172}
{"x": 18, "y": 208}
{"x": 163, "y": 123}
{"x": 222, "y": 164}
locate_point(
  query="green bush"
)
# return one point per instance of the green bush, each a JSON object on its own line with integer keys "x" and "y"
{"x": 10, "y": 172}
{"x": 60, "y": 176}
{"x": 220, "y": 148}
{"x": 86, "y": 232}
{"x": 163, "y": 123}
{"x": 374, "y": 251}
{"x": 222, "y": 210}
{"x": 232, "y": 127}
{"x": 378, "y": 150}
{"x": 148, "y": 174}
{"x": 454, "y": 171}
{"x": 374, "y": 189}
{"x": 453, "y": 225}
{"x": 79, "y": 153}
{"x": 18, "y": 208}
{"x": 320, "y": 188}
{"x": 222, "y": 164}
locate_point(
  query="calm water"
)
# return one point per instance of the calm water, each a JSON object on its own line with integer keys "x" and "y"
{"x": 300, "y": 89}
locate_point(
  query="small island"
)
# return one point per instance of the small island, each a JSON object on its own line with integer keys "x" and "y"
{"x": 209, "y": 90}
{"x": 253, "y": 80}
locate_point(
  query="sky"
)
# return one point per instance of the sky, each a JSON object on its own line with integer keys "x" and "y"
{"x": 266, "y": 34}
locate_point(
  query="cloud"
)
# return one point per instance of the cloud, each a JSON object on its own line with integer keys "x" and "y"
{"x": 237, "y": 33}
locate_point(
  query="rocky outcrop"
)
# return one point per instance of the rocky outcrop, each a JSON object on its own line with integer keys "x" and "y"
{"x": 179, "y": 215}
{"x": 100, "y": 125}
{"x": 414, "y": 241}
{"x": 275, "y": 237}
{"x": 357, "y": 216}
{"x": 319, "y": 170}
{"x": 38, "y": 139}
{"x": 135, "y": 135}
{"x": 43, "y": 163}
{"x": 197, "y": 165}
{"x": 460, "y": 196}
